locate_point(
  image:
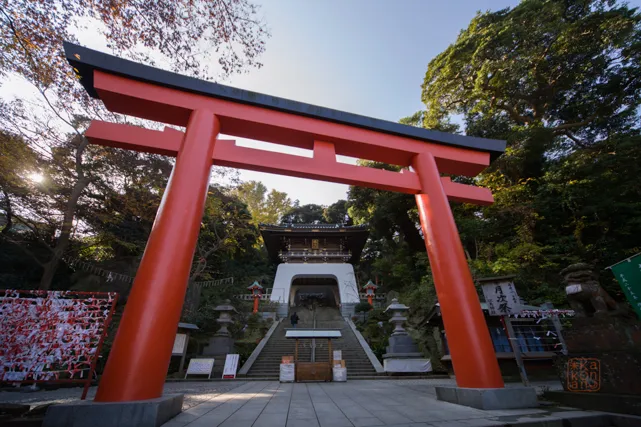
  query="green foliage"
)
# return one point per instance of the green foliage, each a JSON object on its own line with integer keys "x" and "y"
{"x": 265, "y": 208}
{"x": 559, "y": 81}
{"x": 362, "y": 307}
{"x": 316, "y": 214}
{"x": 568, "y": 68}
{"x": 305, "y": 214}
{"x": 376, "y": 330}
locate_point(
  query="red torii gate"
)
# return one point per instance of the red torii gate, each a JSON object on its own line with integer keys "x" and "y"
{"x": 141, "y": 351}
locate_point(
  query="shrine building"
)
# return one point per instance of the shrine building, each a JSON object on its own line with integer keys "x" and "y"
{"x": 315, "y": 264}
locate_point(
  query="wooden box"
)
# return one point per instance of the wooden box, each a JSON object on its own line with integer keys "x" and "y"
{"x": 313, "y": 371}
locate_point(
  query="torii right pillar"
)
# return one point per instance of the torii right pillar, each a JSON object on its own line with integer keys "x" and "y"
{"x": 478, "y": 376}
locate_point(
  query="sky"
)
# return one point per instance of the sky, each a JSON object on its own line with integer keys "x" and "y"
{"x": 367, "y": 57}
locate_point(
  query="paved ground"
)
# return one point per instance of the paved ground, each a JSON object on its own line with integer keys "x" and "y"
{"x": 195, "y": 393}
{"x": 355, "y": 403}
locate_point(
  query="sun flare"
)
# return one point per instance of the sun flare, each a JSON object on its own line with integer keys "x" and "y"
{"x": 36, "y": 177}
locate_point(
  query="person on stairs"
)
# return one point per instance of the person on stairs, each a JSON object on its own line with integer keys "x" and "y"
{"x": 294, "y": 319}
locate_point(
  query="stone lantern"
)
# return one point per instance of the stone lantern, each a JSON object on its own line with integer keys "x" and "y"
{"x": 402, "y": 353}
{"x": 224, "y": 319}
{"x": 221, "y": 344}
{"x": 398, "y": 317}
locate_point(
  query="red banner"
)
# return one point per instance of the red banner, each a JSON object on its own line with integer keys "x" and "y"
{"x": 52, "y": 335}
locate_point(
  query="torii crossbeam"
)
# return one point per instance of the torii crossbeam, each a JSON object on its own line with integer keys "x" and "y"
{"x": 140, "y": 355}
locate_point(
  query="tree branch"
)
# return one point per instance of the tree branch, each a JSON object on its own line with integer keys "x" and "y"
{"x": 575, "y": 124}
{"x": 576, "y": 140}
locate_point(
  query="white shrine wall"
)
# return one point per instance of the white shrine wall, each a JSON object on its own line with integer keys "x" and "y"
{"x": 343, "y": 273}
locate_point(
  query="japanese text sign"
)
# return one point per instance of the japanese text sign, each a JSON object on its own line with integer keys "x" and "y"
{"x": 501, "y": 298}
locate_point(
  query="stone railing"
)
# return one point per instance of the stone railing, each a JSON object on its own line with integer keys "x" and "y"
{"x": 284, "y": 256}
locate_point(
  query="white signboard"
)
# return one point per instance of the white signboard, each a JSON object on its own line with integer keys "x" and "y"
{"x": 338, "y": 355}
{"x": 502, "y": 299}
{"x": 231, "y": 365}
{"x": 287, "y": 372}
{"x": 339, "y": 374}
{"x": 200, "y": 367}
{"x": 179, "y": 344}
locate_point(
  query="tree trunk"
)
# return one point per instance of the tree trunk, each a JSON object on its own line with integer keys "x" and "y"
{"x": 65, "y": 234}
{"x": 9, "y": 214}
{"x": 412, "y": 235}
{"x": 192, "y": 300}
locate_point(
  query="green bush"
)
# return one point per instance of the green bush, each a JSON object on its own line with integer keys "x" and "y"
{"x": 362, "y": 307}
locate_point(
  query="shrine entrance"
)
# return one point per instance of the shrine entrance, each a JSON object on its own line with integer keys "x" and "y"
{"x": 315, "y": 292}
{"x": 141, "y": 351}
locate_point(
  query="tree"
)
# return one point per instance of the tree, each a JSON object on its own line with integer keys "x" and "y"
{"x": 559, "y": 75}
{"x": 337, "y": 213}
{"x": 187, "y": 35}
{"x": 173, "y": 34}
{"x": 265, "y": 208}
{"x": 305, "y": 214}
{"x": 560, "y": 82}
{"x": 390, "y": 215}
{"x": 227, "y": 232}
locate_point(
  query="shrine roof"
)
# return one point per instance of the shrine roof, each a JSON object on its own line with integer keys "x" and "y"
{"x": 273, "y": 234}
{"x": 85, "y": 61}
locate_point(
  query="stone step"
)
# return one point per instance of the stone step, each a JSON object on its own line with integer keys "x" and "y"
{"x": 357, "y": 362}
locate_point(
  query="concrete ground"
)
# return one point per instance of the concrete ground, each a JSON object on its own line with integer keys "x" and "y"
{"x": 355, "y": 403}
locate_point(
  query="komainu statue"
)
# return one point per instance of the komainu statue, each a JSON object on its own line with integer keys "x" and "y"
{"x": 584, "y": 293}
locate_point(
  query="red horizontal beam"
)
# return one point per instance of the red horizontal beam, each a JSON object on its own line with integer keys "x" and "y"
{"x": 172, "y": 106}
{"x": 463, "y": 193}
{"x": 323, "y": 166}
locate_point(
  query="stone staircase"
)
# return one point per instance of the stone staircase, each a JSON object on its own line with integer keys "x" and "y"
{"x": 267, "y": 365}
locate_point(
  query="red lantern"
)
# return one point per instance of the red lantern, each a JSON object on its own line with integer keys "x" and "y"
{"x": 256, "y": 291}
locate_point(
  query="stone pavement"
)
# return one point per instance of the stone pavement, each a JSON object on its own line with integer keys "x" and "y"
{"x": 356, "y": 403}
{"x": 195, "y": 393}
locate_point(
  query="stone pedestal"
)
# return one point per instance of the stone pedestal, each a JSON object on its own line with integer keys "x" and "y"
{"x": 140, "y": 413}
{"x": 218, "y": 348}
{"x": 615, "y": 343}
{"x": 489, "y": 398}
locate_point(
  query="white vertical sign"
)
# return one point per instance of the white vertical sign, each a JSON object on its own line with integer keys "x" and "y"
{"x": 179, "y": 344}
{"x": 501, "y": 298}
{"x": 231, "y": 366}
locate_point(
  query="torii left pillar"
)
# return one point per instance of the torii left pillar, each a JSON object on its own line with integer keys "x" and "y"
{"x": 141, "y": 351}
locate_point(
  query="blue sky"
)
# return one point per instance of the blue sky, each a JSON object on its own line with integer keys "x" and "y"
{"x": 364, "y": 57}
